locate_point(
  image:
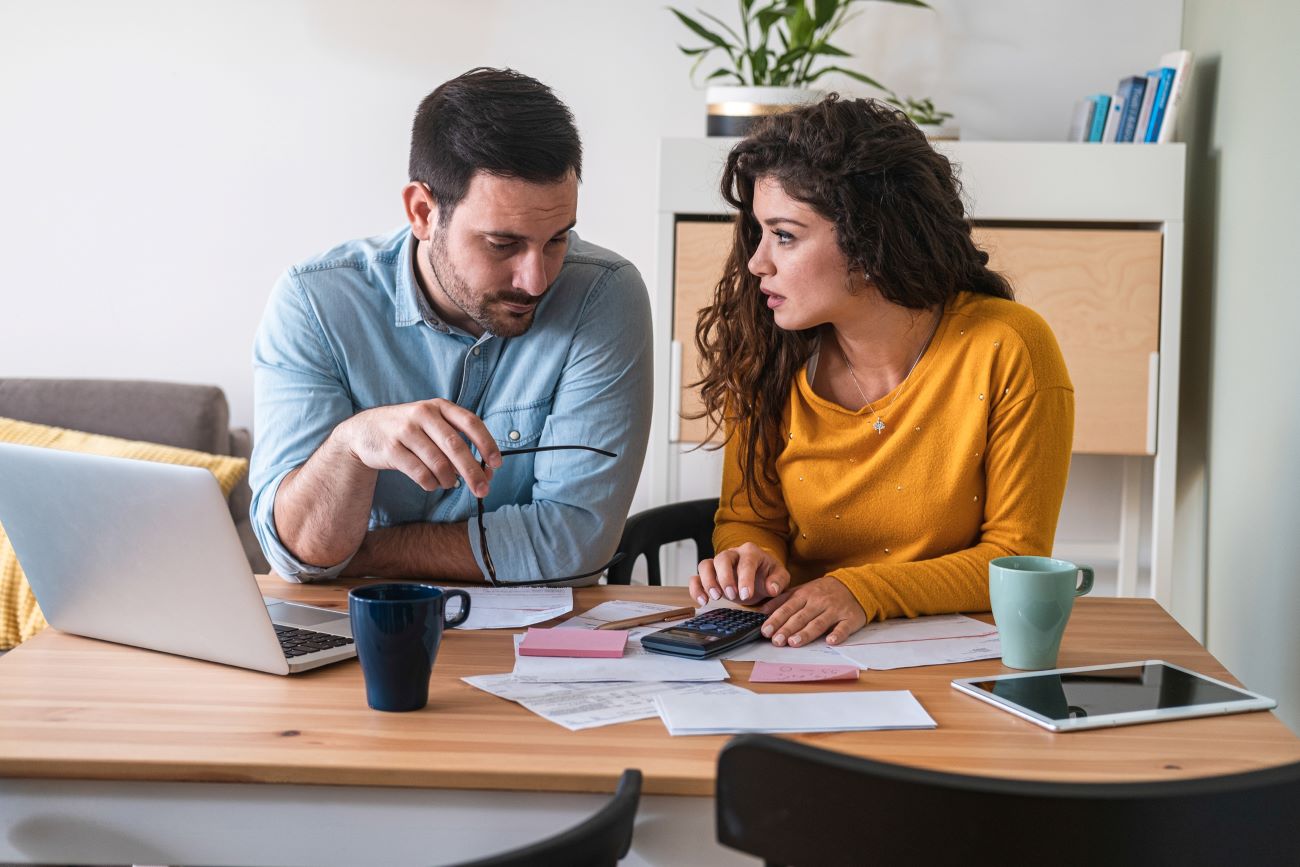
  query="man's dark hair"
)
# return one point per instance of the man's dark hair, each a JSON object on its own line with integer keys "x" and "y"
{"x": 491, "y": 120}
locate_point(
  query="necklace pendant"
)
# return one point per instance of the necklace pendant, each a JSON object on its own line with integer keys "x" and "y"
{"x": 879, "y": 426}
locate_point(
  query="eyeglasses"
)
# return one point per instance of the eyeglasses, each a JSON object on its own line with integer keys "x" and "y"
{"x": 482, "y": 530}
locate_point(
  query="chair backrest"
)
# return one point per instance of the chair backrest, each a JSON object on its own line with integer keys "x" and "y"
{"x": 645, "y": 532}
{"x": 793, "y": 804}
{"x": 599, "y": 841}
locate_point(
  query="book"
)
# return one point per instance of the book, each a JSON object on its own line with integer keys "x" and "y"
{"x": 1099, "y": 117}
{"x": 1112, "y": 118}
{"x": 1133, "y": 91}
{"x": 1081, "y": 120}
{"x": 1148, "y": 100}
{"x": 1181, "y": 63}
{"x": 1158, "y": 107}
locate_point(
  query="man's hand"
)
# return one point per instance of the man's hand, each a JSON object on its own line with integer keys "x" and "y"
{"x": 810, "y": 610}
{"x": 424, "y": 441}
{"x": 747, "y": 573}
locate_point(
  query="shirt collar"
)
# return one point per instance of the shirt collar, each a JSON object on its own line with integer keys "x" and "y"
{"x": 412, "y": 305}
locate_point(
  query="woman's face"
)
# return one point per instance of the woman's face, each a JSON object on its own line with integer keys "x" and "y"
{"x": 802, "y": 272}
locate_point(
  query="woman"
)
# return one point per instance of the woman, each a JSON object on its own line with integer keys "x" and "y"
{"x": 893, "y": 419}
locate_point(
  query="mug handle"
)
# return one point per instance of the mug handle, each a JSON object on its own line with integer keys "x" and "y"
{"x": 464, "y": 608}
{"x": 1079, "y": 591}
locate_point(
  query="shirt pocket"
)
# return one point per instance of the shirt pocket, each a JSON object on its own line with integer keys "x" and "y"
{"x": 518, "y": 427}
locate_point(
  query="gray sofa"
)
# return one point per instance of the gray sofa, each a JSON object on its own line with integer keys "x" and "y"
{"x": 175, "y": 414}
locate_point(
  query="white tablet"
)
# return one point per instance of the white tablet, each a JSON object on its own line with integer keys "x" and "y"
{"x": 1123, "y": 693}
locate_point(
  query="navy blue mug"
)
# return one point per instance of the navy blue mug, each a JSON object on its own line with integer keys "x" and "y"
{"x": 397, "y": 629}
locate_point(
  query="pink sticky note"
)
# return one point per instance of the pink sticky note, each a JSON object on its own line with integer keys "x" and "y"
{"x": 787, "y": 672}
{"x": 574, "y": 642}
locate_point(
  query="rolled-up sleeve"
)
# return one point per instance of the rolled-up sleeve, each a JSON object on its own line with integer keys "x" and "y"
{"x": 579, "y": 499}
{"x": 300, "y": 395}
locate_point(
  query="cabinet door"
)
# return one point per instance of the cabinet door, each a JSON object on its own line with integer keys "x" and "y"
{"x": 1099, "y": 289}
{"x": 699, "y": 257}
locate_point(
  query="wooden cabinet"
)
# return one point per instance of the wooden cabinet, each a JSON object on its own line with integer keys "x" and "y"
{"x": 1090, "y": 237}
{"x": 1099, "y": 290}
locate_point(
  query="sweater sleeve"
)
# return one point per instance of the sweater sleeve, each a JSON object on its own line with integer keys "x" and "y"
{"x": 738, "y": 519}
{"x": 1027, "y": 462}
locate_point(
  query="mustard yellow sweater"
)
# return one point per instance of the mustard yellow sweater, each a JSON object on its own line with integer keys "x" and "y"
{"x": 971, "y": 466}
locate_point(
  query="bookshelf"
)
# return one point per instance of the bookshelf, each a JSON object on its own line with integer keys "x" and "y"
{"x": 1091, "y": 237}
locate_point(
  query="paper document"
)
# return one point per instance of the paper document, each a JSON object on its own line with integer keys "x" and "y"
{"x": 608, "y": 612}
{"x": 936, "y": 640}
{"x": 775, "y": 672}
{"x": 936, "y": 651}
{"x": 636, "y": 664}
{"x": 512, "y": 607}
{"x": 578, "y": 706}
{"x": 787, "y": 713}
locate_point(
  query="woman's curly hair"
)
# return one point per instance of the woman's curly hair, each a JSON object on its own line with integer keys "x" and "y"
{"x": 898, "y": 215}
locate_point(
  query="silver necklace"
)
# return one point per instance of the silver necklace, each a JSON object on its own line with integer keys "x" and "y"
{"x": 879, "y": 424}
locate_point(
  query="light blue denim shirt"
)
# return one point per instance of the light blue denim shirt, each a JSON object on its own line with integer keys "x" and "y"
{"x": 350, "y": 330}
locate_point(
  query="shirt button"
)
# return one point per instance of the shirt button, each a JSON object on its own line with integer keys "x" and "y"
{"x": 457, "y": 485}
{"x": 475, "y": 351}
{"x": 514, "y": 436}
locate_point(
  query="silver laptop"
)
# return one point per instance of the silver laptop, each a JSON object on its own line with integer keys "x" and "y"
{"x": 146, "y": 554}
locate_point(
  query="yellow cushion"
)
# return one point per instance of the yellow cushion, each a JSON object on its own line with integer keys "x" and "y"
{"x": 20, "y": 617}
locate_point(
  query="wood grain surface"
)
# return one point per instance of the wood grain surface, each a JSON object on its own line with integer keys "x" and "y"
{"x": 78, "y": 708}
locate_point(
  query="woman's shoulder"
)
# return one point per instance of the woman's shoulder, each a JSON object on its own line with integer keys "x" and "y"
{"x": 1020, "y": 332}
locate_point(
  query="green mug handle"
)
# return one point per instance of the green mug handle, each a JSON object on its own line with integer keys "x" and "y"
{"x": 1087, "y": 581}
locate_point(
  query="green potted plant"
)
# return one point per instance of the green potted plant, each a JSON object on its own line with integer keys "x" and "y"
{"x": 773, "y": 58}
{"x": 933, "y": 123}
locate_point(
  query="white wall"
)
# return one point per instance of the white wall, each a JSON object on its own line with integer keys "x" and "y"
{"x": 161, "y": 162}
{"x": 1244, "y": 306}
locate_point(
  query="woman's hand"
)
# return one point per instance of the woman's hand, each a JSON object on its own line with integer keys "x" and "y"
{"x": 744, "y": 574}
{"x": 810, "y": 610}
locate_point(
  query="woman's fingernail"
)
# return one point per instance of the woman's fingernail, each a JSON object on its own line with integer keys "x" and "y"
{"x": 774, "y": 588}
{"x": 779, "y": 639}
{"x": 713, "y": 591}
{"x": 744, "y": 592}
{"x": 731, "y": 592}
{"x": 702, "y": 599}
{"x": 767, "y": 631}
{"x": 796, "y": 641}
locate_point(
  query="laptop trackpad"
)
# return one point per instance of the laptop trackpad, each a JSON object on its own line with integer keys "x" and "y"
{"x": 289, "y": 614}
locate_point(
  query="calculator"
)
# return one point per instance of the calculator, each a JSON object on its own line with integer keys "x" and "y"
{"x": 708, "y": 634}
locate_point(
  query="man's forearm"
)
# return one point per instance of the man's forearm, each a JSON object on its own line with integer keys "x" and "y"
{"x": 421, "y": 550}
{"x": 322, "y": 509}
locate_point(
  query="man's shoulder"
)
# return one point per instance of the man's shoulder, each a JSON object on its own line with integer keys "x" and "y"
{"x": 359, "y": 254}
{"x": 584, "y": 255}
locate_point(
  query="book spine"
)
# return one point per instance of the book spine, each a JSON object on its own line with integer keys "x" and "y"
{"x": 1133, "y": 90}
{"x": 1181, "y": 63}
{"x": 1081, "y": 120}
{"x": 1112, "y": 118}
{"x": 1148, "y": 100}
{"x": 1099, "y": 117}
{"x": 1158, "y": 107}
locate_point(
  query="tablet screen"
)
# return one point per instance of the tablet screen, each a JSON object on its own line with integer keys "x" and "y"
{"x": 1145, "y": 686}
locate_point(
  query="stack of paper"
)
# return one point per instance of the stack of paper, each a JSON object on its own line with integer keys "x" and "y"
{"x": 636, "y": 664}
{"x": 937, "y": 640}
{"x": 608, "y": 612}
{"x": 803, "y": 712}
{"x": 512, "y": 607}
{"x": 574, "y": 643}
{"x": 579, "y": 706}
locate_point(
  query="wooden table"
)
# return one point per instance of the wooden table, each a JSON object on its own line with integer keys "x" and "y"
{"x": 172, "y": 741}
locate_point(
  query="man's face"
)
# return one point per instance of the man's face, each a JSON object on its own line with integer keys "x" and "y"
{"x": 500, "y": 252}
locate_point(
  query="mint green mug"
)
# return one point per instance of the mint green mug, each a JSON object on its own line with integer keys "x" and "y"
{"x": 1032, "y": 598}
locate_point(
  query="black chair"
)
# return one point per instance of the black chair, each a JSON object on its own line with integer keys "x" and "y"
{"x": 792, "y": 804}
{"x": 645, "y": 532}
{"x": 599, "y": 841}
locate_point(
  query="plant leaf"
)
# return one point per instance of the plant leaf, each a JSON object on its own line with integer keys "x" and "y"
{"x": 732, "y": 33}
{"x": 828, "y": 50}
{"x": 799, "y": 23}
{"x": 824, "y": 11}
{"x": 700, "y": 30}
{"x": 865, "y": 79}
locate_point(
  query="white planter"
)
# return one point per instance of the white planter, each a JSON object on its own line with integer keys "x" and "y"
{"x": 940, "y": 132}
{"x": 734, "y": 110}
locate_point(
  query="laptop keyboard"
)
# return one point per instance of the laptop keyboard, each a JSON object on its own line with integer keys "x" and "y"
{"x": 296, "y": 642}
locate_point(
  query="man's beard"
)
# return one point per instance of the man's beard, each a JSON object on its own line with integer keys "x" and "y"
{"x": 484, "y": 309}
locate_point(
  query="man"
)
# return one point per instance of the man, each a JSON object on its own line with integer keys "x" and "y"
{"x": 485, "y": 325}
